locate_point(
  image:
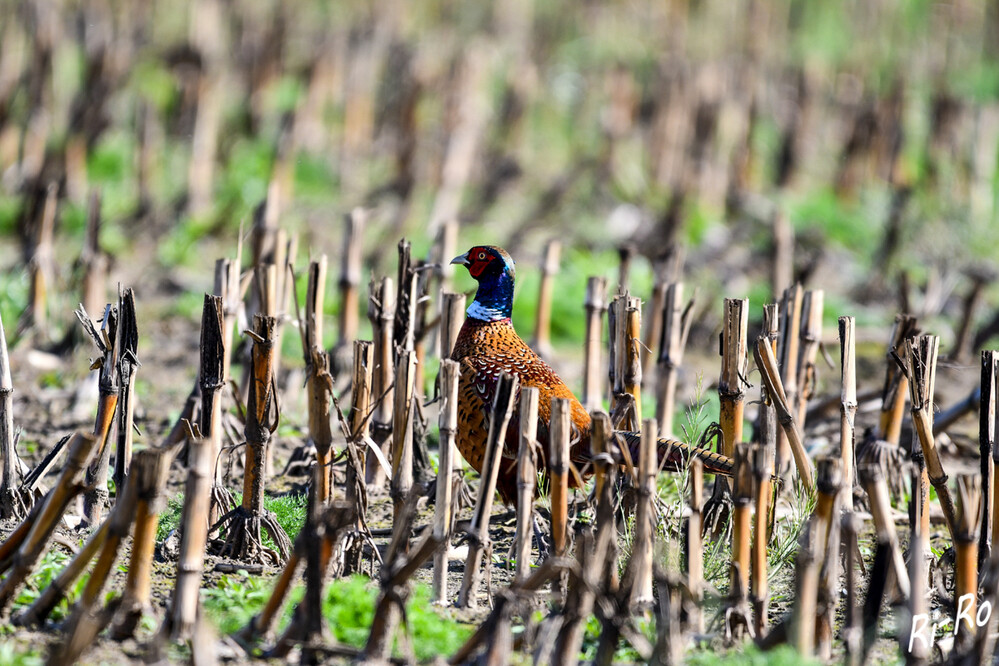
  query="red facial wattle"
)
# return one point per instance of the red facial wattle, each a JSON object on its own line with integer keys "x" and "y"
{"x": 480, "y": 260}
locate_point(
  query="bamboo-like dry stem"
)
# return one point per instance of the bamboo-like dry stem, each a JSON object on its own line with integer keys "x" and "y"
{"x": 82, "y": 626}
{"x": 985, "y": 646}
{"x": 806, "y": 583}
{"x": 452, "y": 317}
{"x": 676, "y": 321}
{"x": 543, "y": 314}
{"x": 502, "y": 409}
{"x": 559, "y": 441}
{"x": 356, "y": 434}
{"x": 877, "y": 585}
{"x": 852, "y": 628}
{"x": 595, "y": 305}
{"x": 633, "y": 355}
{"x": 229, "y": 289}
{"x": 763, "y": 471}
{"x": 915, "y": 651}
{"x": 150, "y": 474}
{"x": 767, "y": 364}
{"x": 848, "y": 402}
{"x": 896, "y": 387}
{"x": 829, "y": 483}
{"x": 737, "y": 615}
{"x": 381, "y": 312}
{"x": 742, "y": 499}
{"x": 407, "y": 298}
{"x": 211, "y": 382}
{"x": 127, "y": 340}
{"x": 987, "y": 447}
{"x": 182, "y": 616}
{"x": 95, "y": 498}
{"x": 600, "y": 444}
{"x": 695, "y": 548}
{"x": 811, "y": 336}
{"x": 527, "y": 479}
{"x": 920, "y": 368}
{"x": 16, "y": 537}
{"x": 319, "y": 382}
{"x": 35, "y": 541}
{"x": 396, "y": 571}
{"x": 873, "y": 480}
{"x": 734, "y": 353}
{"x": 732, "y": 395}
{"x": 625, "y": 319}
{"x": 787, "y": 354}
{"x": 448, "y": 423}
{"x": 670, "y": 641}
{"x": 968, "y": 521}
{"x": 267, "y": 245}
{"x": 584, "y": 587}
{"x": 360, "y": 422}
{"x": 641, "y": 590}
{"x": 402, "y": 430}
{"x": 243, "y": 524}
{"x": 273, "y": 280}
{"x": 13, "y": 503}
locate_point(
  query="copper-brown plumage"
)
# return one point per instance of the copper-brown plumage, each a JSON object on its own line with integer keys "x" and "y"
{"x": 488, "y": 345}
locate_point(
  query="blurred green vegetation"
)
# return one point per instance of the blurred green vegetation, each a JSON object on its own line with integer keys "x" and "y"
{"x": 348, "y": 607}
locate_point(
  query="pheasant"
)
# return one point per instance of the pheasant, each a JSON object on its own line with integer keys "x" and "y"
{"x": 487, "y": 344}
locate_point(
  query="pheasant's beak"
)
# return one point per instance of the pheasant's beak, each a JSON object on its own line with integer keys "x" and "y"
{"x": 462, "y": 260}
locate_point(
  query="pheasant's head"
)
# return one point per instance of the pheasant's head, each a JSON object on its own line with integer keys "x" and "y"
{"x": 493, "y": 269}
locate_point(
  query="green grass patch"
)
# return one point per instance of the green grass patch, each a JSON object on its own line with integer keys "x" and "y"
{"x": 170, "y": 517}
{"x": 51, "y": 565}
{"x": 349, "y": 609}
{"x": 289, "y": 510}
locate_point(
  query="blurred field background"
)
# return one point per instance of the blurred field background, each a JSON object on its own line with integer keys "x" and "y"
{"x": 848, "y": 145}
{"x": 870, "y": 127}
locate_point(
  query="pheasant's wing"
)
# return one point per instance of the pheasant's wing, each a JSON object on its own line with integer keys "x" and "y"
{"x": 476, "y": 394}
{"x": 533, "y": 372}
{"x": 504, "y": 351}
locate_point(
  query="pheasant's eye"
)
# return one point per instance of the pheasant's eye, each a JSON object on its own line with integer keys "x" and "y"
{"x": 482, "y": 256}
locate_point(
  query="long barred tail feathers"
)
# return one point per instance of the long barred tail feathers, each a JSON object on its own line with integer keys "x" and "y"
{"x": 673, "y": 455}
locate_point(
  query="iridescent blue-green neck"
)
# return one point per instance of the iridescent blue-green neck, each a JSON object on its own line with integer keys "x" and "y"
{"x": 494, "y": 299}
